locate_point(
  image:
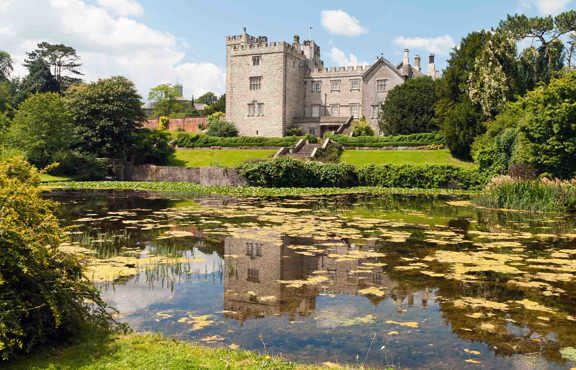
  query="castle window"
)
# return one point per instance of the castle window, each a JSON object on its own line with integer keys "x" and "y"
{"x": 253, "y": 275}
{"x": 355, "y": 84}
{"x": 355, "y": 110}
{"x": 251, "y": 109}
{"x": 256, "y": 60}
{"x": 260, "y": 109}
{"x": 375, "y": 111}
{"x": 315, "y": 110}
{"x": 255, "y": 109}
{"x": 316, "y": 86}
{"x": 255, "y": 82}
{"x": 334, "y": 85}
{"x": 381, "y": 86}
{"x": 335, "y": 110}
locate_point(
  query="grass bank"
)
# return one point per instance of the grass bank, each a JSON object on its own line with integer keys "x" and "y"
{"x": 146, "y": 351}
{"x": 189, "y": 188}
{"x": 218, "y": 157}
{"x": 403, "y": 157}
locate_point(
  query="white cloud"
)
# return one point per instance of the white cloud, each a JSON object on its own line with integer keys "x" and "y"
{"x": 122, "y": 7}
{"x": 339, "y": 22}
{"x": 341, "y": 59}
{"x": 108, "y": 44}
{"x": 441, "y": 45}
{"x": 545, "y": 7}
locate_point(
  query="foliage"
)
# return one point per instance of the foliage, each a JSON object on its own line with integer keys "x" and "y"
{"x": 81, "y": 166}
{"x": 165, "y": 100}
{"x": 409, "y": 108}
{"x": 38, "y": 80}
{"x": 164, "y": 121}
{"x": 222, "y": 129}
{"x": 424, "y": 177}
{"x": 106, "y": 113}
{"x": 294, "y": 131}
{"x": 218, "y": 106}
{"x": 215, "y": 117}
{"x": 184, "y": 140}
{"x": 364, "y": 157}
{"x": 462, "y": 124}
{"x": 331, "y": 153}
{"x": 421, "y": 139}
{"x": 44, "y": 296}
{"x": 208, "y": 98}
{"x": 6, "y": 66}
{"x": 311, "y": 139}
{"x": 61, "y": 60}
{"x": 532, "y": 195}
{"x": 152, "y": 147}
{"x": 293, "y": 173}
{"x": 287, "y": 172}
{"x": 361, "y": 127}
{"x": 42, "y": 128}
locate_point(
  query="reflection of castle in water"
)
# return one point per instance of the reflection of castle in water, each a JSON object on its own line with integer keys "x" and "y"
{"x": 256, "y": 266}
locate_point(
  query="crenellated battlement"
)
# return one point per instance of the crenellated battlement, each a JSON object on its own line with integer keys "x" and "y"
{"x": 264, "y": 47}
{"x": 341, "y": 70}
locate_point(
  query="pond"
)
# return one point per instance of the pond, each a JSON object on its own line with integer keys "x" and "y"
{"x": 407, "y": 282}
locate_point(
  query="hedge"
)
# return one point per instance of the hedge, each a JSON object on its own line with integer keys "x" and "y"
{"x": 185, "y": 140}
{"x": 287, "y": 172}
{"x": 422, "y": 139}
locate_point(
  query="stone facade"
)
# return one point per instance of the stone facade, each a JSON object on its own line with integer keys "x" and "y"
{"x": 273, "y": 86}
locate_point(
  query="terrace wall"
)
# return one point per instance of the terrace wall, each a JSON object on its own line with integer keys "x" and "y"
{"x": 209, "y": 176}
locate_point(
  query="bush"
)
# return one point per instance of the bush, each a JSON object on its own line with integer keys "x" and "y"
{"x": 294, "y": 173}
{"x": 462, "y": 124}
{"x": 185, "y": 140}
{"x": 152, "y": 147}
{"x": 294, "y": 131}
{"x": 423, "y": 177}
{"x": 287, "y": 172}
{"x": 44, "y": 296}
{"x": 422, "y": 139}
{"x": 81, "y": 166}
{"x": 222, "y": 129}
{"x": 362, "y": 128}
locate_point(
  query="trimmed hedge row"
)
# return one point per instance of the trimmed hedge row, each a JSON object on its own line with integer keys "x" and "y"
{"x": 287, "y": 172}
{"x": 184, "y": 140}
{"x": 422, "y": 139}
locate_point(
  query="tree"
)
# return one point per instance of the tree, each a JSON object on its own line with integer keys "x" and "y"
{"x": 5, "y": 66}
{"x": 208, "y": 98}
{"x": 44, "y": 295}
{"x": 42, "y": 127}
{"x": 61, "y": 60}
{"x": 38, "y": 80}
{"x": 164, "y": 98}
{"x": 461, "y": 125}
{"x": 361, "y": 127}
{"x": 409, "y": 108}
{"x": 106, "y": 113}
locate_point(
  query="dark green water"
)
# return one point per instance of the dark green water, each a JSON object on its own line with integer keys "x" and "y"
{"x": 407, "y": 282}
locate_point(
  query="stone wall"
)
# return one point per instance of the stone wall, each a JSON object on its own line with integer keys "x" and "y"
{"x": 189, "y": 124}
{"x": 209, "y": 176}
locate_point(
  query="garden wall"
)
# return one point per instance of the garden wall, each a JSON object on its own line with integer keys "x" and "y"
{"x": 209, "y": 176}
{"x": 189, "y": 124}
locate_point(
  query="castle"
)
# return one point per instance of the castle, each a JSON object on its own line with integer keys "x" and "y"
{"x": 274, "y": 86}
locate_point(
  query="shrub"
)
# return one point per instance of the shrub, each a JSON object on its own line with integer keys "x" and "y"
{"x": 462, "y": 124}
{"x": 294, "y": 131}
{"x": 163, "y": 122}
{"x": 185, "y": 140}
{"x": 152, "y": 147}
{"x": 44, "y": 296}
{"x": 312, "y": 139}
{"x": 362, "y": 128}
{"x": 423, "y": 139}
{"x": 423, "y": 177}
{"x": 221, "y": 129}
{"x": 82, "y": 166}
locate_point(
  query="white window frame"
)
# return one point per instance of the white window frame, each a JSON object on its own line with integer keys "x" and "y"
{"x": 355, "y": 110}
{"x": 375, "y": 111}
{"x": 316, "y": 86}
{"x": 335, "y": 110}
{"x": 255, "y": 83}
{"x": 252, "y": 109}
{"x": 260, "y": 109}
{"x": 381, "y": 85}
{"x": 256, "y": 59}
{"x": 335, "y": 85}
{"x": 352, "y": 82}
{"x": 315, "y": 111}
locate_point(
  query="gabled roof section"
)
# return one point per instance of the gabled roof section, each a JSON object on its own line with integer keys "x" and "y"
{"x": 381, "y": 62}
{"x": 409, "y": 71}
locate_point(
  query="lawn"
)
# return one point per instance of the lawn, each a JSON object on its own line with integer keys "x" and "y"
{"x": 146, "y": 351}
{"x": 397, "y": 157}
{"x": 218, "y": 157}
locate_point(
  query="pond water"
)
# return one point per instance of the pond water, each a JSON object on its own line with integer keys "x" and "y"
{"x": 406, "y": 282}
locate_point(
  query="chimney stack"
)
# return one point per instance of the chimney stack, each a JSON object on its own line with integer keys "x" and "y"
{"x": 432, "y": 67}
{"x": 418, "y": 63}
{"x": 296, "y": 41}
{"x": 406, "y": 59}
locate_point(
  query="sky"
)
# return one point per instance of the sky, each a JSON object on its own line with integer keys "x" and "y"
{"x": 182, "y": 41}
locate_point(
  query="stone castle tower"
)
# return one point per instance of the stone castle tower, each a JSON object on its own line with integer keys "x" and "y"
{"x": 274, "y": 86}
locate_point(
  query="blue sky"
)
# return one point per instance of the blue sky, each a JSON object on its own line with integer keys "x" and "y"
{"x": 153, "y": 42}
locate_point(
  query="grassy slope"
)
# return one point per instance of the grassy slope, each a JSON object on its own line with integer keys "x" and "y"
{"x": 220, "y": 158}
{"x": 146, "y": 351}
{"x": 397, "y": 157}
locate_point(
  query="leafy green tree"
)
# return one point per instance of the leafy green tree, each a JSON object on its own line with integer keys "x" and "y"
{"x": 43, "y": 127}
{"x": 409, "y": 108}
{"x": 152, "y": 147}
{"x": 62, "y": 62}
{"x": 106, "y": 114}
{"x": 461, "y": 125}
{"x": 43, "y": 293}
{"x": 208, "y": 98}
{"x": 165, "y": 100}
{"x": 5, "y": 66}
